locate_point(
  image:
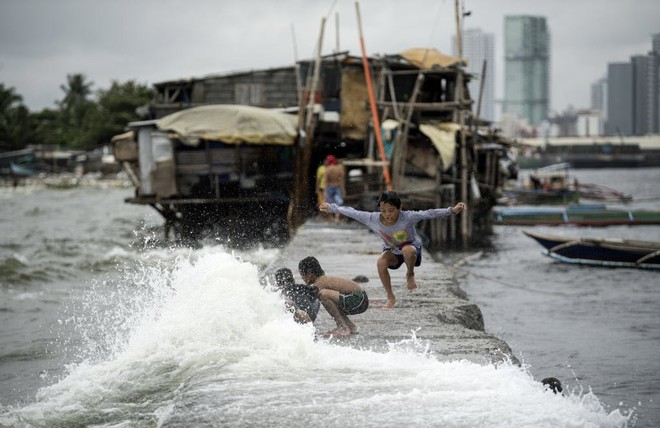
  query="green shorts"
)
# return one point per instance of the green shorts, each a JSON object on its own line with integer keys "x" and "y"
{"x": 354, "y": 303}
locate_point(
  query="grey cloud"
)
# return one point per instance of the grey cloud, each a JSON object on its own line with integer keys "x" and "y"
{"x": 151, "y": 41}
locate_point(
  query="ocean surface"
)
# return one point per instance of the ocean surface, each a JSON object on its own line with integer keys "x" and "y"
{"x": 596, "y": 329}
{"x": 103, "y": 323}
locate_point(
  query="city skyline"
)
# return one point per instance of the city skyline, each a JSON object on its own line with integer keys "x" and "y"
{"x": 633, "y": 93}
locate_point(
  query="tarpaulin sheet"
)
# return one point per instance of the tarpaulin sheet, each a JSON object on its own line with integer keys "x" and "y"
{"x": 429, "y": 58}
{"x": 443, "y": 137}
{"x": 231, "y": 124}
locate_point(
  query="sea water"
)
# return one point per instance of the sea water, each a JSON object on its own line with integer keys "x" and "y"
{"x": 594, "y": 328}
{"x": 105, "y": 325}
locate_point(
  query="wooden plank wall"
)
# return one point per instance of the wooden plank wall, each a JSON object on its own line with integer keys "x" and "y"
{"x": 276, "y": 88}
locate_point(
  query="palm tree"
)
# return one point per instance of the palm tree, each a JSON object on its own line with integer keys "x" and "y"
{"x": 8, "y": 97}
{"x": 75, "y": 109}
{"x": 14, "y": 120}
{"x": 76, "y": 103}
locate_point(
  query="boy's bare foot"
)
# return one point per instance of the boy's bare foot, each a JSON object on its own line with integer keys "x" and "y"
{"x": 410, "y": 282}
{"x": 390, "y": 303}
{"x": 338, "y": 332}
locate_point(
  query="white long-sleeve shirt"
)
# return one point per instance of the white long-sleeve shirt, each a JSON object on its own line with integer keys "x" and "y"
{"x": 402, "y": 233}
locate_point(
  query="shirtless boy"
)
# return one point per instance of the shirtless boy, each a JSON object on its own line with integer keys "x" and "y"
{"x": 335, "y": 183}
{"x": 339, "y": 296}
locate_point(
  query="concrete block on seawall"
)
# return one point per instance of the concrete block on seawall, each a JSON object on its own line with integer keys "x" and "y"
{"x": 438, "y": 316}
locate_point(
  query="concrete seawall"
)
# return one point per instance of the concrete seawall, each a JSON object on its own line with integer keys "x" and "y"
{"x": 438, "y": 313}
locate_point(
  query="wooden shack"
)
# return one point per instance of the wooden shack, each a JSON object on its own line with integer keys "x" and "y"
{"x": 224, "y": 169}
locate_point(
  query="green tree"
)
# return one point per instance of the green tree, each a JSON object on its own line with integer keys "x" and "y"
{"x": 48, "y": 127}
{"x": 16, "y": 130}
{"x": 116, "y": 108}
{"x": 79, "y": 121}
{"x": 75, "y": 111}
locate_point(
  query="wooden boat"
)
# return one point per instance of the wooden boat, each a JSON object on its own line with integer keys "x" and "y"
{"x": 553, "y": 185}
{"x": 549, "y": 185}
{"x": 524, "y": 196}
{"x": 19, "y": 163}
{"x": 581, "y": 215}
{"x": 600, "y": 251}
{"x": 23, "y": 170}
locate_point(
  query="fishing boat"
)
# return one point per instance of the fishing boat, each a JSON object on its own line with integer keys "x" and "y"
{"x": 554, "y": 185}
{"x": 23, "y": 170}
{"x": 581, "y": 215}
{"x": 18, "y": 163}
{"x": 600, "y": 251}
{"x": 549, "y": 185}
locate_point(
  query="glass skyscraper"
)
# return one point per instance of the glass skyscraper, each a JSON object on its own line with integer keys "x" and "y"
{"x": 527, "y": 68}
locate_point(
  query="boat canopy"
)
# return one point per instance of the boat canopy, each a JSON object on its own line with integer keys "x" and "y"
{"x": 231, "y": 124}
{"x": 430, "y": 58}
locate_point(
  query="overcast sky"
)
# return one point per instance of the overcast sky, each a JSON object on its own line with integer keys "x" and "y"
{"x": 149, "y": 41}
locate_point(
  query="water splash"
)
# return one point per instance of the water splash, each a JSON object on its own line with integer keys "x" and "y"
{"x": 192, "y": 336}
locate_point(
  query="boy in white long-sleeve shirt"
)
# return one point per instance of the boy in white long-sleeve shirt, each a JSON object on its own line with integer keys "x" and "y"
{"x": 397, "y": 229}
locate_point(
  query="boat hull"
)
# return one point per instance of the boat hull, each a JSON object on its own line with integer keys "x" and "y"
{"x": 600, "y": 252}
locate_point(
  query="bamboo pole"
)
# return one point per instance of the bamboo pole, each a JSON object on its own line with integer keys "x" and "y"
{"x": 401, "y": 146}
{"x": 461, "y": 121}
{"x": 300, "y": 204}
{"x": 390, "y": 83}
{"x": 315, "y": 81}
{"x": 481, "y": 91}
{"x": 372, "y": 102}
{"x": 337, "y": 32}
{"x": 459, "y": 32}
{"x": 296, "y": 65}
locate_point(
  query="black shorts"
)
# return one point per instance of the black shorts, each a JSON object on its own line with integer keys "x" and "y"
{"x": 400, "y": 260}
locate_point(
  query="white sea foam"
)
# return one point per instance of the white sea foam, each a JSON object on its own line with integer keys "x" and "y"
{"x": 211, "y": 344}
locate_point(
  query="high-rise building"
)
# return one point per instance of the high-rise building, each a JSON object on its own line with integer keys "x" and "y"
{"x": 478, "y": 47}
{"x": 633, "y": 95}
{"x": 527, "y": 68}
{"x": 599, "y": 96}
{"x": 641, "y": 94}
{"x": 620, "y": 99}
{"x": 653, "y": 76}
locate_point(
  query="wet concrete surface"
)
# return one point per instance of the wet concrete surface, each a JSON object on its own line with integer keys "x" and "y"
{"x": 437, "y": 317}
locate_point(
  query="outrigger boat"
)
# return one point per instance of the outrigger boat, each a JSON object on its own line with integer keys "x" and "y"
{"x": 600, "y": 251}
{"x": 580, "y": 215}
